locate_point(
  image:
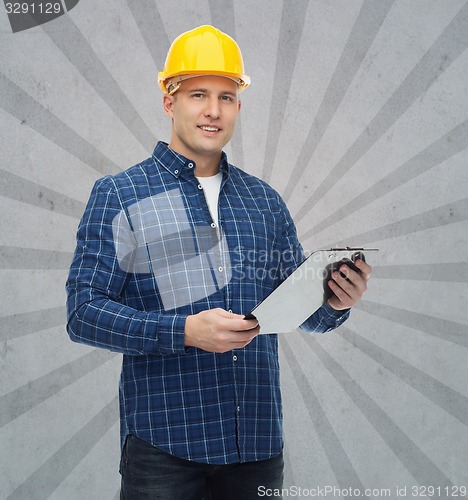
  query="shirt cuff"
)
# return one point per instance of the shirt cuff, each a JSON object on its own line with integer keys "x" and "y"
{"x": 334, "y": 312}
{"x": 325, "y": 319}
{"x": 170, "y": 334}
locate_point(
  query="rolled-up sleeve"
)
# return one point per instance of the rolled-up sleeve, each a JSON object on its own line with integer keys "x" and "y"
{"x": 325, "y": 320}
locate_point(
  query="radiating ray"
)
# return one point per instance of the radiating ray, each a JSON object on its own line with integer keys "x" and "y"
{"x": 345, "y": 462}
{"x": 292, "y": 24}
{"x": 26, "y": 397}
{"x": 152, "y": 29}
{"x": 17, "y": 188}
{"x": 42, "y": 483}
{"x": 365, "y": 29}
{"x": 27, "y": 110}
{"x": 444, "y": 51}
{"x": 409, "y": 454}
{"x": 338, "y": 459}
{"x": 288, "y": 468}
{"x": 33, "y": 258}
{"x": 441, "y": 216}
{"x": 450, "y": 331}
{"x": 222, "y": 16}
{"x": 71, "y": 42}
{"x": 19, "y": 325}
{"x": 441, "y": 271}
{"x": 449, "y": 144}
{"x": 442, "y": 395}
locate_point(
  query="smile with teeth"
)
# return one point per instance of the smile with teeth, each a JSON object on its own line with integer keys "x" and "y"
{"x": 207, "y": 128}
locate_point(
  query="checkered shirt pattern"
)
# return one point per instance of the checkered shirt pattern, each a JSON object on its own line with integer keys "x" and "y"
{"x": 201, "y": 406}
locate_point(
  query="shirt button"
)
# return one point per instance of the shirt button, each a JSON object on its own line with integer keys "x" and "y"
{"x": 234, "y": 358}
{"x": 190, "y": 165}
{"x": 176, "y": 171}
{"x": 238, "y": 409}
{"x": 200, "y": 186}
{"x": 220, "y": 269}
{"x": 213, "y": 225}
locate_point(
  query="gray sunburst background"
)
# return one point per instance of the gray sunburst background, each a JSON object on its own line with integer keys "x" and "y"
{"x": 358, "y": 115}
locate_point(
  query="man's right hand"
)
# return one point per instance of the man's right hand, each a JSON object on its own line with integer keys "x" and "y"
{"x": 217, "y": 330}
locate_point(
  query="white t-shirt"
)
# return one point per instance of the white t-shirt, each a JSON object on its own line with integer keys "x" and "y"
{"x": 211, "y": 186}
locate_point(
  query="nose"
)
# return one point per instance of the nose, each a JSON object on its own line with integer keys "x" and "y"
{"x": 212, "y": 108}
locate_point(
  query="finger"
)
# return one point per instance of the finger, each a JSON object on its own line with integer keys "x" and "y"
{"x": 227, "y": 314}
{"x": 358, "y": 280}
{"x": 247, "y": 342}
{"x": 365, "y": 269}
{"x": 341, "y": 294}
{"x": 253, "y": 324}
{"x": 354, "y": 285}
{"x": 345, "y": 280}
{"x": 241, "y": 339}
{"x": 235, "y": 322}
{"x": 237, "y": 316}
{"x": 240, "y": 325}
{"x": 241, "y": 345}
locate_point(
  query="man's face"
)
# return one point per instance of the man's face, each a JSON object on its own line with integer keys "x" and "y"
{"x": 204, "y": 112}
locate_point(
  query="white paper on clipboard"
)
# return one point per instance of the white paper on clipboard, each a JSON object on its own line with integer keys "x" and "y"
{"x": 302, "y": 293}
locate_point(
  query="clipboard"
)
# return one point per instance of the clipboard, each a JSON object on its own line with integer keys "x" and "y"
{"x": 304, "y": 291}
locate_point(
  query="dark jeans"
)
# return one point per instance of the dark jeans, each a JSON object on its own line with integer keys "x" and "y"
{"x": 150, "y": 474}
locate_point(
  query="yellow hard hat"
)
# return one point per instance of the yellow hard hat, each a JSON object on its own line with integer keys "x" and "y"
{"x": 202, "y": 51}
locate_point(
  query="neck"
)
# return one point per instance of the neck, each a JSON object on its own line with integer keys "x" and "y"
{"x": 204, "y": 170}
{"x": 206, "y": 165}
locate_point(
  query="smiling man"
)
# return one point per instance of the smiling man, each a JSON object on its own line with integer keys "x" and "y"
{"x": 204, "y": 111}
{"x": 171, "y": 254}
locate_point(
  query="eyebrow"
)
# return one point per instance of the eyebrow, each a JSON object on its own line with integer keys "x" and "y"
{"x": 223, "y": 92}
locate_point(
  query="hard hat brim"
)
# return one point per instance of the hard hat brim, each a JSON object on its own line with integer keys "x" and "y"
{"x": 163, "y": 79}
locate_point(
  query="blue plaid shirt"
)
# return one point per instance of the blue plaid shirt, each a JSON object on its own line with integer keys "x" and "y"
{"x": 207, "y": 407}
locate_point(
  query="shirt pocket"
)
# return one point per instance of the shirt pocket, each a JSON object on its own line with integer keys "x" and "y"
{"x": 258, "y": 254}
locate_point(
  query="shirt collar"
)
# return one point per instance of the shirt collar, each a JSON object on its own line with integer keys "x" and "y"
{"x": 175, "y": 163}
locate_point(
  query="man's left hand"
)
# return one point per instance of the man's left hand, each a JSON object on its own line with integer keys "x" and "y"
{"x": 348, "y": 286}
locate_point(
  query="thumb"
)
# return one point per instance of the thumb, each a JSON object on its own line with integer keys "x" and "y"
{"x": 228, "y": 314}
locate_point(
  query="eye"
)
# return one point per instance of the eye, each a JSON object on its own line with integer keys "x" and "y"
{"x": 227, "y": 98}
{"x": 198, "y": 95}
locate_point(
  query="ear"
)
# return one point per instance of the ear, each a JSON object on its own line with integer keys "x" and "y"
{"x": 168, "y": 103}
{"x": 239, "y": 105}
